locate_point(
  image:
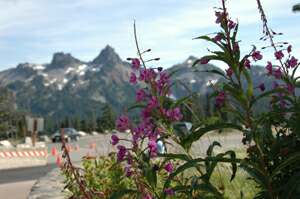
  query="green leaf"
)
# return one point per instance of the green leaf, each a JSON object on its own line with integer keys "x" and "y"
{"x": 257, "y": 175}
{"x": 205, "y": 187}
{"x": 139, "y": 105}
{"x": 266, "y": 94}
{"x": 211, "y": 147}
{"x": 151, "y": 176}
{"x": 199, "y": 132}
{"x": 175, "y": 156}
{"x": 212, "y": 57}
{"x": 214, "y": 71}
{"x": 207, "y": 38}
{"x": 250, "y": 84}
{"x": 233, "y": 39}
{"x": 180, "y": 101}
{"x": 290, "y": 160}
{"x": 233, "y": 163}
{"x": 121, "y": 193}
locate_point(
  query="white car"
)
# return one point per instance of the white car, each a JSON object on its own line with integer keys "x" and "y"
{"x": 82, "y": 133}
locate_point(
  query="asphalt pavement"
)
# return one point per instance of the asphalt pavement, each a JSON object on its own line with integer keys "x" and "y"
{"x": 16, "y": 183}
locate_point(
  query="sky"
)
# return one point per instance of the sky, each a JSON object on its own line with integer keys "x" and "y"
{"x": 32, "y": 30}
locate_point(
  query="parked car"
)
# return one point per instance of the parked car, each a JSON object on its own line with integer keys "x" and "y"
{"x": 82, "y": 133}
{"x": 70, "y": 134}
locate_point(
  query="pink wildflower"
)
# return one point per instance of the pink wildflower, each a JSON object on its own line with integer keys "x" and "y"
{"x": 229, "y": 72}
{"x": 256, "y": 55}
{"x": 114, "y": 139}
{"x": 152, "y": 148}
{"x": 135, "y": 63}
{"x": 128, "y": 171}
{"x": 290, "y": 88}
{"x": 121, "y": 152}
{"x": 289, "y": 49}
{"x": 277, "y": 73}
{"x": 247, "y": 63}
{"x": 231, "y": 24}
{"x": 204, "y": 61}
{"x": 292, "y": 62}
{"x": 220, "y": 99}
{"x": 169, "y": 191}
{"x": 153, "y": 103}
{"x": 133, "y": 78}
{"x": 279, "y": 55}
{"x": 218, "y": 37}
{"x": 122, "y": 123}
{"x": 169, "y": 167}
{"x": 269, "y": 68}
{"x": 262, "y": 87}
{"x": 140, "y": 95}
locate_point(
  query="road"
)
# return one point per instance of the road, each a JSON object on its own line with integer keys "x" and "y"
{"x": 23, "y": 179}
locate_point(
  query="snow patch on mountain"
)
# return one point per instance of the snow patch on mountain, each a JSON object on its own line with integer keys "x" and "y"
{"x": 192, "y": 81}
{"x": 38, "y": 67}
{"x": 65, "y": 80}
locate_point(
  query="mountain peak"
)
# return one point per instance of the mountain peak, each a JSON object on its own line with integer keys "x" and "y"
{"x": 61, "y": 60}
{"x": 107, "y": 55}
{"x": 190, "y": 59}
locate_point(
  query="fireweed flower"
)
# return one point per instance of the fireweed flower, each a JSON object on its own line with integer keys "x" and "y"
{"x": 114, "y": 139}
{"x": 162, "y": 82}
{"x": 152, "y": 147}
{"x": 289, "y": 49}
{"x": 146, "y": 113}
{"x": 256, "y": 56}
{"x": 174, "y": 114}
{"x": 128, "y": 171}
{"x": 279, "y": 55}
{"x": 147, "y": 196}
{"x": 282, "y": 104}
{"x": 229, "y": 72}
{"x": 169, "y": 191}
{"x": 291, "y": 63}
{"x": 153, "y": 103}
{"x": 220, "y": 99}
{"x": 231, "y": 24}
{"x": 275, "y": 85}
{"x": 236, "y": 46}
{"x": 269, "y": 68}
{"x": 247, "y": 63}
{"x": 135, "y": 63}
{"x": 140, "y": 95}
{"x": 147, "y": 74}
{"x": 121, "y": 152}
{"x": 290, "y": 88}
{"x": 204, "y": 61}
{"x": 169, "y": 167}
{"x": 277, "y": 73}
{"x": 218, "y": 37}
{"x": 133, "y": 78}
{"x": 262, "y": 87}
{"x": 122, "y": 123}
{"x": 220, "y": 16}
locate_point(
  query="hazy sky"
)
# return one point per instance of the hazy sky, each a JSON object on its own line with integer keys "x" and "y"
{"x": 32, "y": 30}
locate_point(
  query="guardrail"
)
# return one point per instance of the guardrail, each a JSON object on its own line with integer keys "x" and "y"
{"x": 11, "y": 158}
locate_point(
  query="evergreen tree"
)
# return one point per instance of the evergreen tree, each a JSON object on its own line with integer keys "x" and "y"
{"x": 7, "y": 111}
{"x": 76, "y": 123}
{"x": 92, "y": 122}
{"x": 107, "y": 119}
{"x": 83, "y": 125}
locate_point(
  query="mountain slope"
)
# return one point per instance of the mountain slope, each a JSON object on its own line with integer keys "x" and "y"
{"x": 68, "y": 86}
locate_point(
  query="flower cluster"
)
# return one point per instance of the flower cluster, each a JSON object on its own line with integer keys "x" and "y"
{"x": 151, "y": 98}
